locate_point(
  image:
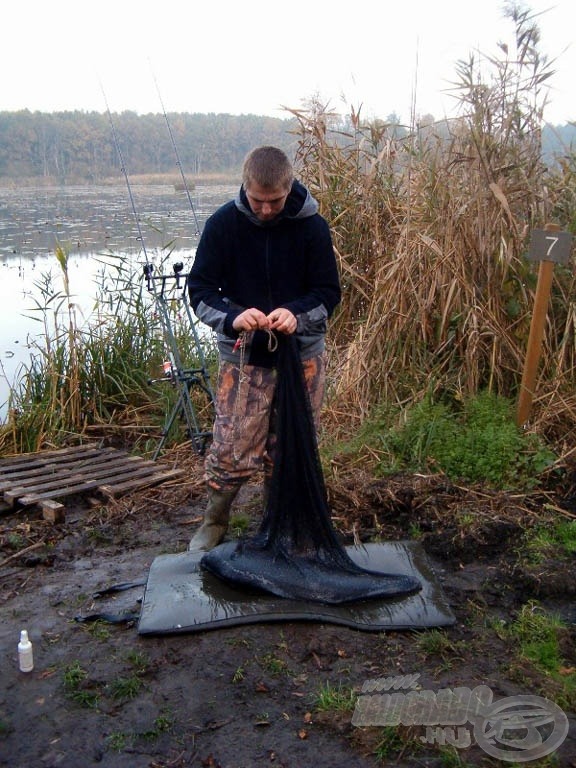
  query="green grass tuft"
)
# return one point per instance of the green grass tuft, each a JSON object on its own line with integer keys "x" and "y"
{"x": 474, "y": 441}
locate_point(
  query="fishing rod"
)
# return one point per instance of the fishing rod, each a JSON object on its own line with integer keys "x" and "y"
{"x": 176, "y": 153}
{"x": 193, "y": 209}
{"x": 174, "y": 371}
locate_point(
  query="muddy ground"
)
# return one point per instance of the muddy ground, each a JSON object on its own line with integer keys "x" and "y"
{"x": 265, "y": 694}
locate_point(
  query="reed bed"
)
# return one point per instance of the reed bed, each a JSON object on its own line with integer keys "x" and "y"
{"x": 98, "y": 379}
{"x": 431, "y": 224}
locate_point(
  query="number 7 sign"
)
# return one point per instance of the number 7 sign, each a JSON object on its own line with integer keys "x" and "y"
{"x": 549, "y": 246}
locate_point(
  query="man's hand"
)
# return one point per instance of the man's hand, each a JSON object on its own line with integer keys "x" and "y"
{"x": 251, "y": 320}
{"x": 282, "y": 320}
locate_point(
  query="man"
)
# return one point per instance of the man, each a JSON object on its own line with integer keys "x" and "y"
{"x": 264, "y": 265}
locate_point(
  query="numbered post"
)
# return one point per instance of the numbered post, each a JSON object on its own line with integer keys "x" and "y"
{"x": 549, "y": 246}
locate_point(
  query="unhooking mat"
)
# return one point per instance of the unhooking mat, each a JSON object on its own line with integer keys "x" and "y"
{"x": 182, "y": 597}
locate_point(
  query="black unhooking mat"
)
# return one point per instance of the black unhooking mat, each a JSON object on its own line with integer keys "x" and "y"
{"x": 296, "y": 553}
{"x": 181, "y": 597}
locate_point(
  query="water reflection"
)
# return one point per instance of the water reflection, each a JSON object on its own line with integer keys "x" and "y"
{"x": 96, "y": 227}
{"x": 91, "y": 219}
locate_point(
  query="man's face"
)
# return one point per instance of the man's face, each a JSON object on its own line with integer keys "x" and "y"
{"x": 266, "y": 203}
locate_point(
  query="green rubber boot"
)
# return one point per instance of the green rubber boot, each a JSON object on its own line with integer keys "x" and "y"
{"x": 216, "y": 519}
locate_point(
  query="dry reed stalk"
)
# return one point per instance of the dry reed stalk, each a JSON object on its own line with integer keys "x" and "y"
{"x": 431, "y": 227}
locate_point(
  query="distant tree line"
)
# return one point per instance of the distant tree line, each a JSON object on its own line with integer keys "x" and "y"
{"x": 80, "y": 146}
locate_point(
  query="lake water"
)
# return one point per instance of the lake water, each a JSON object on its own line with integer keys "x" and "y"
{"x": 92, "y": 224}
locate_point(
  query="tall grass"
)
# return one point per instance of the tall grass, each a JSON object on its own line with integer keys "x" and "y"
{"x": 431, "y": 224}
{"x": 96, "y": 377}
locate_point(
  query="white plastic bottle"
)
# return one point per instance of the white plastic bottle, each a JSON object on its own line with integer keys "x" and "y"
{"x": 25, "y": 654}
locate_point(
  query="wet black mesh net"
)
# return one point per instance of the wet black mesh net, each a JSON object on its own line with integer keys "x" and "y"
{"x": 296, "y": 553}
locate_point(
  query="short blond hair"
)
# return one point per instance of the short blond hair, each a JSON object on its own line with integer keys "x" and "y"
{"x": 269, "y": 167}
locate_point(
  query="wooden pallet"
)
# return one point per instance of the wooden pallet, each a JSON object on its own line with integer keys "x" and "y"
{"x": 46, "y": 477}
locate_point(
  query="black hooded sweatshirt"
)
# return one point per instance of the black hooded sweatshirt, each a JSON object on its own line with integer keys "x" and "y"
{"x": 288, "y": 262}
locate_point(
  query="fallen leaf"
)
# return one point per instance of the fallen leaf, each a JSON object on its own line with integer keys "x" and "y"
{"x": 317, "y": 660}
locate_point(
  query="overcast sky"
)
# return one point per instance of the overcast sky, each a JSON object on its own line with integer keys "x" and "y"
{"x": 251, "y": 56}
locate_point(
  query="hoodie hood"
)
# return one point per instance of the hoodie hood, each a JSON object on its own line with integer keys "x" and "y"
{"x": 299, "y": 205}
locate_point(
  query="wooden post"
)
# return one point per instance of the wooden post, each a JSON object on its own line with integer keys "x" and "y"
{"x": 548, "y": 246}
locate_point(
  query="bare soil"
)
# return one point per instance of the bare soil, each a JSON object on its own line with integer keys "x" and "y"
{"x": 243, "y": 697}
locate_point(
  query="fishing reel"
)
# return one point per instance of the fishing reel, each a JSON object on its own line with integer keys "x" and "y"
{"x": 148, "y": 269}
{"x": 164, "y": 280}
{"x": 178, "y": 267}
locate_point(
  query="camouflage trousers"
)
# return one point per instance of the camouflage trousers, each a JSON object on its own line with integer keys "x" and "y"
{"x": 244, "y": 433}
